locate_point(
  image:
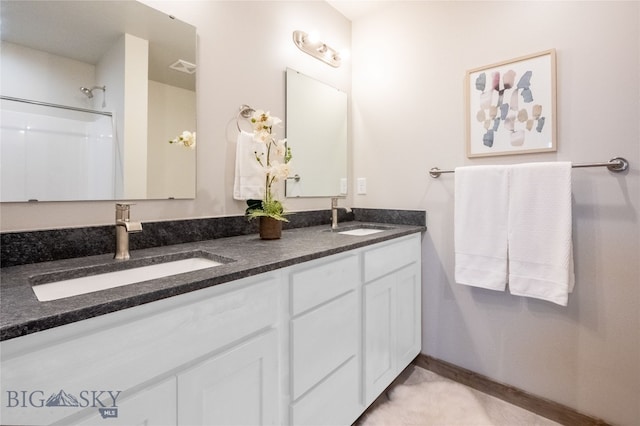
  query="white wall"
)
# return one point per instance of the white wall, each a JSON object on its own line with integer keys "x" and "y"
{"x": 409, "y": 62}
{"x": 243, "y": 51}
{"x": 41, "y": 76}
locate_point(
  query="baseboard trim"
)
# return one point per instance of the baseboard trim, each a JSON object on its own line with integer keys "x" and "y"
{"x": 541, "y": 406}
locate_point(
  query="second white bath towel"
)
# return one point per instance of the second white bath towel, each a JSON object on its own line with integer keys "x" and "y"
{"x": 540, "y": 249}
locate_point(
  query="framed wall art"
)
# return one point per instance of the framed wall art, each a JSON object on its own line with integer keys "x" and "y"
{"x": 511, "y": 106}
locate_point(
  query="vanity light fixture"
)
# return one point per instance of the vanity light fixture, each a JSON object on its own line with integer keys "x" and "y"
{"x": 316, "y": 48}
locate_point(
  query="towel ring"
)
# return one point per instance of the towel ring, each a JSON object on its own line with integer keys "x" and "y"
{"x": 245, "y": 111}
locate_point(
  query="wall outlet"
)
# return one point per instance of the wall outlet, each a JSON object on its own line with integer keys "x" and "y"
{"x": 362, "y": 186}
{"x": 343, "y": 185}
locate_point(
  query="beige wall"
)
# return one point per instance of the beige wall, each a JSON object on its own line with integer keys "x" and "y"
{"x": 135, "y": 114}
{"x": 170, "y": 167}
{"x": 243, "y": 50}
{"x": 409, "y": 63}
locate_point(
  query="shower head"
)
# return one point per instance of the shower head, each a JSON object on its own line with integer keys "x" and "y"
{"x": 89, "y": 92}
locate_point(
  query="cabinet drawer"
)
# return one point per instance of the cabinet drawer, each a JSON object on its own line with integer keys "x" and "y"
{"x": 334, "y": 402}
{"x": 322, "y": 340}
{"x": 323, "y": 281}
{"x": 391, "y": 256}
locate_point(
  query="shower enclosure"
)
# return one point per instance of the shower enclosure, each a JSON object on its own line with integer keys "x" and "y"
{"x": 55, "y": 152}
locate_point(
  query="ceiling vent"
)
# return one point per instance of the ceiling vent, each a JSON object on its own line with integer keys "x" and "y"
{"x": 183, "y": 66}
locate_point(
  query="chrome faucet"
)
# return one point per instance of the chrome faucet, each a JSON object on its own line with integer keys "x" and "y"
{"x": 123, "y": 228}
{"x": 334, "y": 212}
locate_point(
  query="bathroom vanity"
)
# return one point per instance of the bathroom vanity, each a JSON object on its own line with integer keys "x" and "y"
{"x": 309, "y": 329}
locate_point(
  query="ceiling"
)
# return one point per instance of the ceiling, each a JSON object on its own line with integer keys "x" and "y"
{"x": 85, "y": 30}
{"x": 354, "y": 9}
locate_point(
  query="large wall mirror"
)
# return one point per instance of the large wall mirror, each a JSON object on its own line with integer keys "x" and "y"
{"x": 316, "y": 120}
{"x": 92, "y": 92}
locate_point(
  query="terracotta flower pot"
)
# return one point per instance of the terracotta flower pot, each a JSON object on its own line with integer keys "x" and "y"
{"x": 270, "y": 228}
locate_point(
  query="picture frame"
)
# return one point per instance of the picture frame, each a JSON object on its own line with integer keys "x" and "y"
{"x": 511, "y": 106}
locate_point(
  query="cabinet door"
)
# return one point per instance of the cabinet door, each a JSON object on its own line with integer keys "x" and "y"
{"x": 408, "y": 315}
{"x": 153, "y": 406}
{"x": 379, "y": 336}
{"x": 236, "y": 387}
{"x": 392, "y": 324}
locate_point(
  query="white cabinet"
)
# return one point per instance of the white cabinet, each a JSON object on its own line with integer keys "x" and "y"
{"x": 355, "y": 325}
{"x": 236, "y": 387}
{"x": 392, "y": 320}
{"x": 130, "y": 351}
{"x": 314, "y": 343}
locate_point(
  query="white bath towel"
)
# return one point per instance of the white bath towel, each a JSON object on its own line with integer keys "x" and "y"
{"x": 540, "y": 248}
{"x": 249, "y": 178}
{"x": 481, "y": 207}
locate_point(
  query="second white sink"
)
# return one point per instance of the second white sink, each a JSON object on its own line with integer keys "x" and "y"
{"x": 360, "y": 231}
{"x": 90, "y": 283}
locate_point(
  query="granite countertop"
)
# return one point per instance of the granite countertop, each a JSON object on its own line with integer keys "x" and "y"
{"x": 21, "y": 313}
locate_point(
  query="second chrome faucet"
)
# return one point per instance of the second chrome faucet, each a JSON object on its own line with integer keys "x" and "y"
{"x": 334, "y": 212}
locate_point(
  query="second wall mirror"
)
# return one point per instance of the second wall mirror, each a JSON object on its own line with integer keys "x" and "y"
{"x": 316, "y": 120}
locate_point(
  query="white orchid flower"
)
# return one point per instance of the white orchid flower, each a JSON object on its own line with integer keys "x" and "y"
{"x": 279, "y": 170}
{"x": 275, "y": 160}
{"x": 186, "y": 139}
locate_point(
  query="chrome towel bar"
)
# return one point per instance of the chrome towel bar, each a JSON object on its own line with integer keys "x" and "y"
{"x": 617, "y": 164}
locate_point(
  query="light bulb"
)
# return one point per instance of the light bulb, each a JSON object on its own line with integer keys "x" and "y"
{"x": 313, "y": 37}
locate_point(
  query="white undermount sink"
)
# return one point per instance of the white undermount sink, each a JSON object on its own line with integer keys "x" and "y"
{"x": 360, "y": 231}
{"x": 89, "y": 283}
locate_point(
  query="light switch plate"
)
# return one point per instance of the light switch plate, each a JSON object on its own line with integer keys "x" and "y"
{"x": 362, "y": 186}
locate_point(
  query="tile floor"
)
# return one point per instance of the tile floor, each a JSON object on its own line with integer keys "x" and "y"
{"x": 501, "y": 413}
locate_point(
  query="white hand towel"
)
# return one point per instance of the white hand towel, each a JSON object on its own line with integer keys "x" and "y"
{"x": 249, "y": 176}
{"x": 480, "y": 217}
{"x": 540, "y": 248}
